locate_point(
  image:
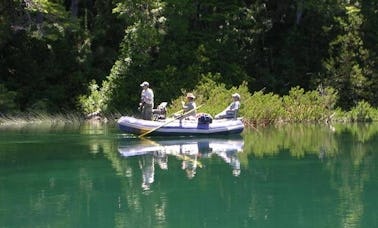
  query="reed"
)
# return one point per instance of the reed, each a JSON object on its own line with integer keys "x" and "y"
{"x": 40, "y": 118}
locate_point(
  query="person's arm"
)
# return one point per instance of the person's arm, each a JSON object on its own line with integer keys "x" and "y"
{"x": 141, "y": 103}
{"x": 234, "y": 106}
{"x": 184, "y": 106}
{"x": 228, "y": 108}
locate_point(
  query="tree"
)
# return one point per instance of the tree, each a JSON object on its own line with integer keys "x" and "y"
{"x": 348, "y": 69}
{"x": 145, "y": 26}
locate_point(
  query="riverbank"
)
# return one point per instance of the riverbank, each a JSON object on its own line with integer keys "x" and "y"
{"x": 77, "y": 119}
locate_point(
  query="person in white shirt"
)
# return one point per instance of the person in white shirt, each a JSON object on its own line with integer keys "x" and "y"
{"x": 232, "y": 110}
{"x": 147, "y": 101}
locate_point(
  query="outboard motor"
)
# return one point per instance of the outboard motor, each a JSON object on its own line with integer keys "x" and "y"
{"x": 160, "y": 113}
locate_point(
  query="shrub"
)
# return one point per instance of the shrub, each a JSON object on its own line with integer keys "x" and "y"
{"x": 313, "y": 105}
{"x": 263, "y": 108}
{"x": 363, "y": 112}
{"x": 94, "y": 102}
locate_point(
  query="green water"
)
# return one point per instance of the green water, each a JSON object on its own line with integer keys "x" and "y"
{"x": 292, "y": 176}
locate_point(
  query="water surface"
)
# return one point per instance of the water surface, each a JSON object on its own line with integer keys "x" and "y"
{"x": 95, "y": 176}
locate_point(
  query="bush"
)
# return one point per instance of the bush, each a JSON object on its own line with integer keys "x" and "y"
{"x": 312, "y": 106}
{"x": 263, "y": 108}
{"x": 363, "y": 112}
{"x": 94, "y": 102}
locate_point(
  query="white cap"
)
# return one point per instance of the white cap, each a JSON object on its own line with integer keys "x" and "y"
{"x": 236, "y": 95}
{"x": 145, "y": 84}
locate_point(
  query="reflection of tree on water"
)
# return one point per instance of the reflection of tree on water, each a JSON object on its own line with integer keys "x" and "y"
{"x": 189, "y": 152}
{"x": 344, "y": 150}
{"x": 349, "y": 173}
{"x": 342, "y": 192}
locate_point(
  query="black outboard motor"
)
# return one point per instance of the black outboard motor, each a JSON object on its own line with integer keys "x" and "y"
{"x": 160, "y": 113}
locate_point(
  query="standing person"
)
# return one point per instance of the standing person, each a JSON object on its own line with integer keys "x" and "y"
{"x": 232, "y": 110}
{"x": 146, "y": 101}
{"x": 190, "y": 106}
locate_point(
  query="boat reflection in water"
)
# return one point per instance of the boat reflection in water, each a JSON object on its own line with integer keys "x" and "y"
{"x": 191, "y": 151}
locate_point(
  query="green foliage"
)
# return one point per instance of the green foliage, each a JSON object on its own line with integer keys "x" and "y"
{"x": 308, "y": 106}
{"x": 48, "y": 57}
{"x": 48, "y": 20}
{"x": 363, "y": 112}
{"x": 298, "y": 106}
{"x": 263, "y": 108}
{"x": 142, "y": 38}
{"x": 348, "y": 70}
{"x": 40, "y": 106}
{"x": 51, "y": 50}
{"x": 94, "y": 102}
{"x": 7, "y": 100}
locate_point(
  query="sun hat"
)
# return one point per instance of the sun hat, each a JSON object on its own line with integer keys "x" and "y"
{"x": 191, "y": 95}
{"x": 145, "y": 84}
{"x": 236, "y": 95}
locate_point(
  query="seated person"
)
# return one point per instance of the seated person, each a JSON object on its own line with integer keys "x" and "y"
{"x": 189, "y": 107}
{"x": 232, "y": 110}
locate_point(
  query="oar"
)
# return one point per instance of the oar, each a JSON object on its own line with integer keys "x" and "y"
{"x": 178, "y": 112}
{"x": 170, "y": 121}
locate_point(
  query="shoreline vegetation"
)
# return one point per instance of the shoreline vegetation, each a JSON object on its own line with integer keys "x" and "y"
{"x": 258, "y": 109}
{"x": 62, "y": 57}
{"x": 301, "y": 63}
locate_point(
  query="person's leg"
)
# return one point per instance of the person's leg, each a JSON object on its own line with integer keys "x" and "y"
{"x": 148, "y": 111}
{"x": 220, "y": 115}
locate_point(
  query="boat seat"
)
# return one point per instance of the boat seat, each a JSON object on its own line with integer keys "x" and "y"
{"x": 160, "y": 112}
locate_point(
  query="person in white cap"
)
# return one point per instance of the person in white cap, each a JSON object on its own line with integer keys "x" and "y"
{"x": 232, "y": 110}
{"x": 146, "y": 101}
{"x": 190, "y": 106}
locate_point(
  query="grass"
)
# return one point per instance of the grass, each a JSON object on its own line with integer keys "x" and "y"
{"x": 20, "y": 120}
